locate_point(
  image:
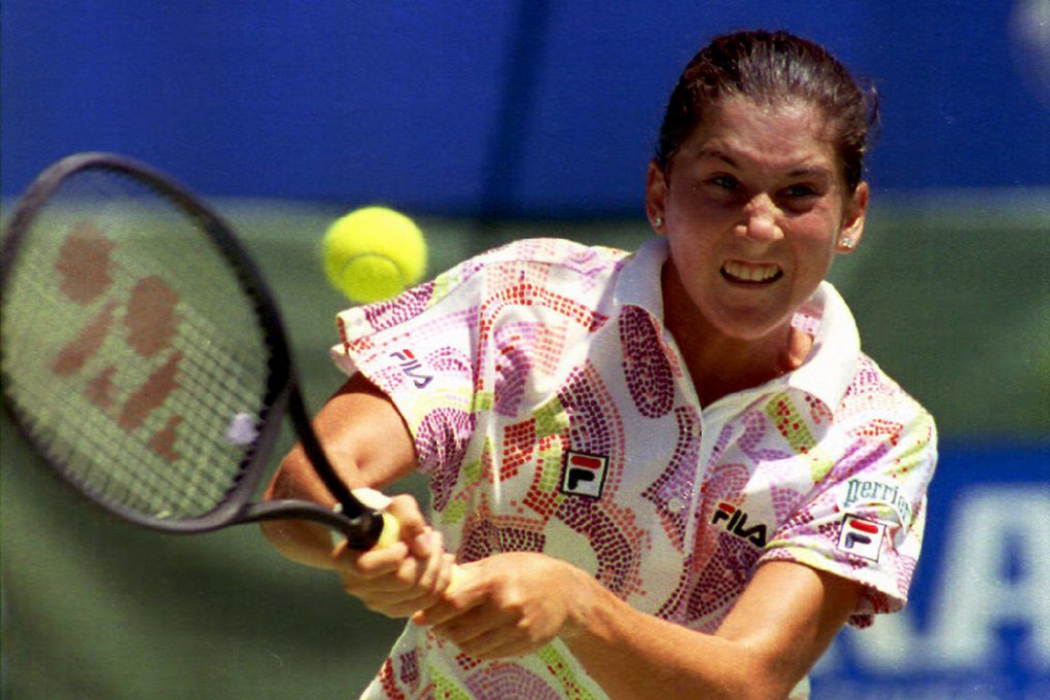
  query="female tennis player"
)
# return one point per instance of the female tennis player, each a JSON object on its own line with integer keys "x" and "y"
{"x": 671, "y": 473}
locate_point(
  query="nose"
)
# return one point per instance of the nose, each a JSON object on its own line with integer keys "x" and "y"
{"x": 760, "y": 220}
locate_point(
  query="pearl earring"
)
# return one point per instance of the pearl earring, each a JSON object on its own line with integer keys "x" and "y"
{"x": 846, "y": 243}
{"x": 658, "y": 221}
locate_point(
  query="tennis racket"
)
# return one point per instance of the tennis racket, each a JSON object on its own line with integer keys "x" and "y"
{"x": 144, "y": 357}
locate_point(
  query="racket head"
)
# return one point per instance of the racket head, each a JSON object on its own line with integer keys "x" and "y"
{"x": 143, "y": 355}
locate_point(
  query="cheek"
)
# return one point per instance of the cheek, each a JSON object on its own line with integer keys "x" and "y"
{"x": 814, "y": 255}
{"x": 691, "y": 250}
{"x": 817, "y": 231}
{"x": 817, "y": 243}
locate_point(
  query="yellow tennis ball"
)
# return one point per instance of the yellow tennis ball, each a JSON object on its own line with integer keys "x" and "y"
{"x": 374, "y": 253}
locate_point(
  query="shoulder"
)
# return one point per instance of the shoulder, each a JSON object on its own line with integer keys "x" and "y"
{"x": 884, "y": 423}
{"x": 546, "y": 271}
{"x": 872, "y": 393}
{"x": 550, "y": 254}
{"x": 536, "y": 272}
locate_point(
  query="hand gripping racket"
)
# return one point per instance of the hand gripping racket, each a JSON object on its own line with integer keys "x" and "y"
{"x": 143, "y": 355}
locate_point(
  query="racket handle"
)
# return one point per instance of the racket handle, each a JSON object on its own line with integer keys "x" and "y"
{"x": 391, "y": 532}
{"x": 378, "y": 501}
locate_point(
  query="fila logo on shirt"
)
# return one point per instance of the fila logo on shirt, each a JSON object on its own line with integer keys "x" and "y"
{"x": 412, "y": 368}
{"x": 584, "y": 474}
{"x": 861, "y": 537}
{"x": 734, "y": 521}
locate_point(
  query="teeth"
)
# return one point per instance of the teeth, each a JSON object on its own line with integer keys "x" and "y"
{"x": 750, "y": 272}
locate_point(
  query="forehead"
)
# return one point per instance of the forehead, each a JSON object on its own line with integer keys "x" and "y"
{"x": 792, "y": 135}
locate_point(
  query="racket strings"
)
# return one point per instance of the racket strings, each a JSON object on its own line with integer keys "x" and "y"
{"x": 120, "y": 465}
{"x": 158, "y": 416}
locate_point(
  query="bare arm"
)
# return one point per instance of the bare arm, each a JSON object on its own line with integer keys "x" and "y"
{"x": 778, "y": 629}
{"x": 369, "y": 445}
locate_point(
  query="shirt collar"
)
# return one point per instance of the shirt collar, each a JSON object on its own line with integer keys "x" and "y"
{"x": 833, "y": 359}
{"x": 636, "y": 287}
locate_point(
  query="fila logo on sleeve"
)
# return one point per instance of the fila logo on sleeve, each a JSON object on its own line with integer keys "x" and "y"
{"x": 584, "y": 475}
{"x": 861, "y": 537}
{"x": 412, "y": 368}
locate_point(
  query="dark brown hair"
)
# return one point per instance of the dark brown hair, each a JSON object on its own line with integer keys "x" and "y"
{"x": 770, "y": 68}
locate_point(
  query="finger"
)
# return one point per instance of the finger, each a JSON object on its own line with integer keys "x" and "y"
{"x": 450, "y": 575}
{"x": 396, "y": 594}
{"x": 407, "y": 512}
{"x": 447, "y": 576}
{"x": 436, "y": 561}
{"x": 396, "y": 598}
{"x": 409, "y": 607}
{"x": 424, "y": 542}
{"x": 390, "y": 605}
{"x": 344, "y": 557}
{"x": 471, "y": 622}
{"x": 412, "y": 579}
{"x": 376, "y": 562}
{"x": 447, "y": 608}
{"x": 380, "y": 575}
{"x": 418, "y": 585}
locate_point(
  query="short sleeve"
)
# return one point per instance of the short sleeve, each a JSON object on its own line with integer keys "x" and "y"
{"x": 433, "y": 350}
{"x": 419, "y": 349}
{"x": 865, "y": 520}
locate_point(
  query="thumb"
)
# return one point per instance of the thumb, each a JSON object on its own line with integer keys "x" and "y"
{"x": 405, "y": 509}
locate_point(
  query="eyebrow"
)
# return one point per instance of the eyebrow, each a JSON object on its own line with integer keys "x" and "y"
{"x": 802, "y": 171}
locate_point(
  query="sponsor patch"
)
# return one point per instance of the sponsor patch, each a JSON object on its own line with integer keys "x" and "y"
{"x": 861, "y": 537}
{"x": 867, "y": 492}
{"x": 584, "y": 475}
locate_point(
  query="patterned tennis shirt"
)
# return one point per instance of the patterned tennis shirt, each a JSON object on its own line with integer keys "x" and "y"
{"x": 552, "y": 412}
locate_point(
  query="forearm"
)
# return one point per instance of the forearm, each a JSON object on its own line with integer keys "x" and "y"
{"x": 514, "y": 603}
{"x": 300, "y": 541}
{"x": 369, "y": 446}
{"x": 635, "y": 656}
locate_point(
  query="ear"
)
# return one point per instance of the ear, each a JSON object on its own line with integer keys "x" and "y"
{"x": 853, "y": 216}
{"x": 656, "y": 197}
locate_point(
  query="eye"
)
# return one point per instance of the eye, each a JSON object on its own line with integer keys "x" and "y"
{"x": 800, "y": 191}
{"x": 725, "y": 182}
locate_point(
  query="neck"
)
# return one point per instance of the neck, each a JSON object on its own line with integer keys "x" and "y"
{"x": 720, "y": 365}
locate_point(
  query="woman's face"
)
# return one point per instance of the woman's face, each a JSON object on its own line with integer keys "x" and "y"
{"x": 754, "y": 208}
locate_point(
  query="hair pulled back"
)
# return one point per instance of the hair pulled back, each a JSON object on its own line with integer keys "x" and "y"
{"x": 771, "y": 68}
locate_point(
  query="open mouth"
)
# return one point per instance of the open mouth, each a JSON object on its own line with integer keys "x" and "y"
{"x": 751, "y": 273}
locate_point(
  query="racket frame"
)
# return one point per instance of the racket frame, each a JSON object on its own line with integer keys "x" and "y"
{"x": 360, "y": 525}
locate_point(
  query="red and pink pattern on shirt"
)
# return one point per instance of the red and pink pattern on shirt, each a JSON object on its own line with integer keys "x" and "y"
{"x": 552, "y": 413}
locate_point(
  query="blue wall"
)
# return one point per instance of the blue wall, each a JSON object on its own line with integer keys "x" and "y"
{"x": 482, "y": 107}
{"x": 978, "y": 622}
